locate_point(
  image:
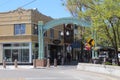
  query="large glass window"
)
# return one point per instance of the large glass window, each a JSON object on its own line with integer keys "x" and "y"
{"x": 25, "y": 55}
{"x": 7, "y": 55}
{"x": 19, "y": 29}
{"x": 19, "y": 51}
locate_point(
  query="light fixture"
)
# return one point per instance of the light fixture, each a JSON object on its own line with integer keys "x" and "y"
{"x": 67, "y": 33}
{"x": 35, "y": 27}
{"x": 61, "y": 33}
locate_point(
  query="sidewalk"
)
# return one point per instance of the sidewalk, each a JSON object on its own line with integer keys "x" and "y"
{"x": 19, "y": 67}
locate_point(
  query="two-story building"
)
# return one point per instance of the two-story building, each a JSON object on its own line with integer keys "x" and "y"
{"x": 19, "y": 35}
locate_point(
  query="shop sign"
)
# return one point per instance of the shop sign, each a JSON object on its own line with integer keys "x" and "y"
{"x": 56, "y": 41}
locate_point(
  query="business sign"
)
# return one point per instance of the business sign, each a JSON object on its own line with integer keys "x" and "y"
{"x": 56, "y": 41}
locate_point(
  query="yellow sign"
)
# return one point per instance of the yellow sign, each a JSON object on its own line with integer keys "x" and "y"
{"x": 91, "y": 42}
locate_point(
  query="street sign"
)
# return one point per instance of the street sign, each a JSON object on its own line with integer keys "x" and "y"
{"x": 91, "y": 42}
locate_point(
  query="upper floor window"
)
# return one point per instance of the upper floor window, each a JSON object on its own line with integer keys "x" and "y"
{"x": 19, "y": 29}
{"x": 59, "y": 35}
{"x": 52, "y": 33}
{"x": 35, "y": 29}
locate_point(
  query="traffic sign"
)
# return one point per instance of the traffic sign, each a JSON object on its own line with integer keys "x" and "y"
{"x": 87, "y": 47}
{"x": 91, "y": 42}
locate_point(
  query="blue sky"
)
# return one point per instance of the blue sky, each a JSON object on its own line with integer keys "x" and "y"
{"x": 51, "y": 8}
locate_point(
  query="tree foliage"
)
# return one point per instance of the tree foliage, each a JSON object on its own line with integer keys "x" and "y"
{"x": 104, "y": 14}
{"x": 105, "y": 17}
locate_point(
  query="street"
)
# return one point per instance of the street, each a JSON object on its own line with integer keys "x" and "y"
{"x": 52, "y": 73}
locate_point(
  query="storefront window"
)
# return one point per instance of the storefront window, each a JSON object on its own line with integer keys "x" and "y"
{"x": 25, "y": 44}
{"x": 7, "y": 55}
{"x": 18, "y": 51}
{"x": 6, "y": 45}
{"x": 15, "y": 53}
{"x": 25, "y": 55}
{"x": 16, "y": 45}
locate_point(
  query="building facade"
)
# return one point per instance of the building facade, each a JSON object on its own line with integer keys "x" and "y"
{"x": 19, "y": 35}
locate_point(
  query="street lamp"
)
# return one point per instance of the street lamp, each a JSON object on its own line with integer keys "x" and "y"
{"x": 63, "y": 35}
{"x": 67, "y": 33}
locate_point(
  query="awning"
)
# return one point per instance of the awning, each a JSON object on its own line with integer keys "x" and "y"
{"x": 75, "y": 45}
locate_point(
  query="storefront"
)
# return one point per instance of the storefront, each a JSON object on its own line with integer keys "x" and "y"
{"x": 22, "y": 52}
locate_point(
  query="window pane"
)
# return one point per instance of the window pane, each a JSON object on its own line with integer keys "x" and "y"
{"x": 7, "y": 55}
{"x": 19, "y": 29}
{"x": 25, "y": 55}
{"x": 6, "y": 45}
{"x": 25, "y": 44}
{"x": 16, "y": 45}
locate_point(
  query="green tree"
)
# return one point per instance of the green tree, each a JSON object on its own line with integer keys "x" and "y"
{"x": 105, "y": 18}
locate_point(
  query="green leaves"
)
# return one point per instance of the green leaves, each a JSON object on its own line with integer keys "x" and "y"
{"x": 99, "y": 12}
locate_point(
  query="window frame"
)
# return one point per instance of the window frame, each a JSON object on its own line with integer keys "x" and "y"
{"x": 19, "y": 29}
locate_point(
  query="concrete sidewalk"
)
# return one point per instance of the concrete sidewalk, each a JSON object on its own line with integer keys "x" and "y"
{"x": 12, "y": 67}
{"x": 19, "y": 67}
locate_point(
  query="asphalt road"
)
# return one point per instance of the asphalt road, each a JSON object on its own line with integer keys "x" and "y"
{"x": 52, "y": 73}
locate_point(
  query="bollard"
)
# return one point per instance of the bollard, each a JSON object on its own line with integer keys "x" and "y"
{"x": 4, "y": 64}
{"x": 55, "y": 62}
{"x": 104, "y": 60}
{"x": 34, "y": 63}
{"x": 48, "y": 62}
{"x": 15, "y": 63}
{"x": 62, "y": 61}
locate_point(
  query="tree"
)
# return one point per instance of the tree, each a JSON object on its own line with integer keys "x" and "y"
{"x": 104, "y": 15}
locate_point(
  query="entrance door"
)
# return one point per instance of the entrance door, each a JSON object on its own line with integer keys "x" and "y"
{"x": 15, "y": 54}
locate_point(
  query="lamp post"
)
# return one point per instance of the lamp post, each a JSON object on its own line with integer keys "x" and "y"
{"x": 64, "y": 34}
